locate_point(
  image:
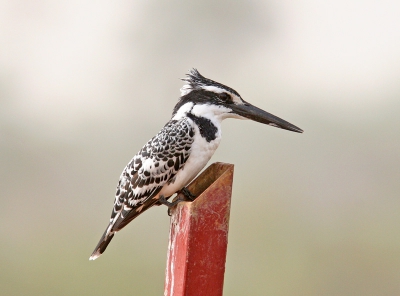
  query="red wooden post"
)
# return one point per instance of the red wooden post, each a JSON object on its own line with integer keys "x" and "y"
{"x": 198, "y": 236}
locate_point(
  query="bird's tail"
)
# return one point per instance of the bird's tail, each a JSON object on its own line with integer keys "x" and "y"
{"x": 103, "y": 243}
{"x": 116, "y": 225}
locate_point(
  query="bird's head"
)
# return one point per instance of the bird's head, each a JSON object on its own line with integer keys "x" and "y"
{"x": 208, "y": 98}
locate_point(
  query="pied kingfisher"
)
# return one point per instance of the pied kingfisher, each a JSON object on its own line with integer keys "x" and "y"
{"x": 170, "y": 160}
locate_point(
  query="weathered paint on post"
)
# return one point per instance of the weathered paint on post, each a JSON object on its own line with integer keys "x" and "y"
{"x": 198, "y": 236}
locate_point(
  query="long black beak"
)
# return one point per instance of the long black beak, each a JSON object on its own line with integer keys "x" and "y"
{"x": 252, "y": 112}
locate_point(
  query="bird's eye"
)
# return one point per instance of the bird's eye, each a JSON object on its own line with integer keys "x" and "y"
{"x": 225, "y": 97}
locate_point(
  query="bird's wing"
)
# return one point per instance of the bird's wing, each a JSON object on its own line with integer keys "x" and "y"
{"x": 151, "y": 168}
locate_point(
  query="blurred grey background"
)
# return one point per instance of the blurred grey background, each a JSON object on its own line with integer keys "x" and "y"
{"x": 84, "y": 84}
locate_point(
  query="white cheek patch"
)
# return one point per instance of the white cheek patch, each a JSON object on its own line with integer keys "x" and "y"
{"x": 209, "y": 111}
{"x": 185, "y": 108}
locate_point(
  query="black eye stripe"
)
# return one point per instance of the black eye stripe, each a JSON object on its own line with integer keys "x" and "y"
{"x": 225, "y": 97}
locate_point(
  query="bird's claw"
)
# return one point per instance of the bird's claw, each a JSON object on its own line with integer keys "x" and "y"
{"x": 187, "y": 194}
{"x": 170, "y": 205}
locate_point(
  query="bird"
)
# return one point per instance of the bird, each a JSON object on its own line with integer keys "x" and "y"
{"x": 169, "y": 161}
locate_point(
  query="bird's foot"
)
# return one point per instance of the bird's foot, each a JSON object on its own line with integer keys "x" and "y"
{"x": 187, "y": 193}
{"x": 170, "y": 205}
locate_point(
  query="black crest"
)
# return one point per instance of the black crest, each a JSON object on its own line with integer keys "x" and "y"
{"x": 196, "y": 81}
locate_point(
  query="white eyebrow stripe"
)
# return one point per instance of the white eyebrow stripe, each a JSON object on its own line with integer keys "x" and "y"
{"x": 215, "y": 89}
{"x": 212, "y": 88}
{"x": 236, "y": 99}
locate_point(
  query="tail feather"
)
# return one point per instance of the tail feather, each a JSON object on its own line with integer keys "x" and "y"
{"x": 117, "y": 224}
{"x": 102, "y": 245}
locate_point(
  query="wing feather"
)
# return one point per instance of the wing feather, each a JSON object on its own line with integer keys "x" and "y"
{"x": 150, "y": 169}
{"x": 146, "y": 174}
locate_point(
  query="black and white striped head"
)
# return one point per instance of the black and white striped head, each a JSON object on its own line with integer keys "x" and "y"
{"x": 210, "y": 98}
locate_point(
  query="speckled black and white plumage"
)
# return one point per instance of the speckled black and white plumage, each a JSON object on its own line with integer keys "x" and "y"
{"x": 171, "y": 160}
{"x": 154, "y": 166}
